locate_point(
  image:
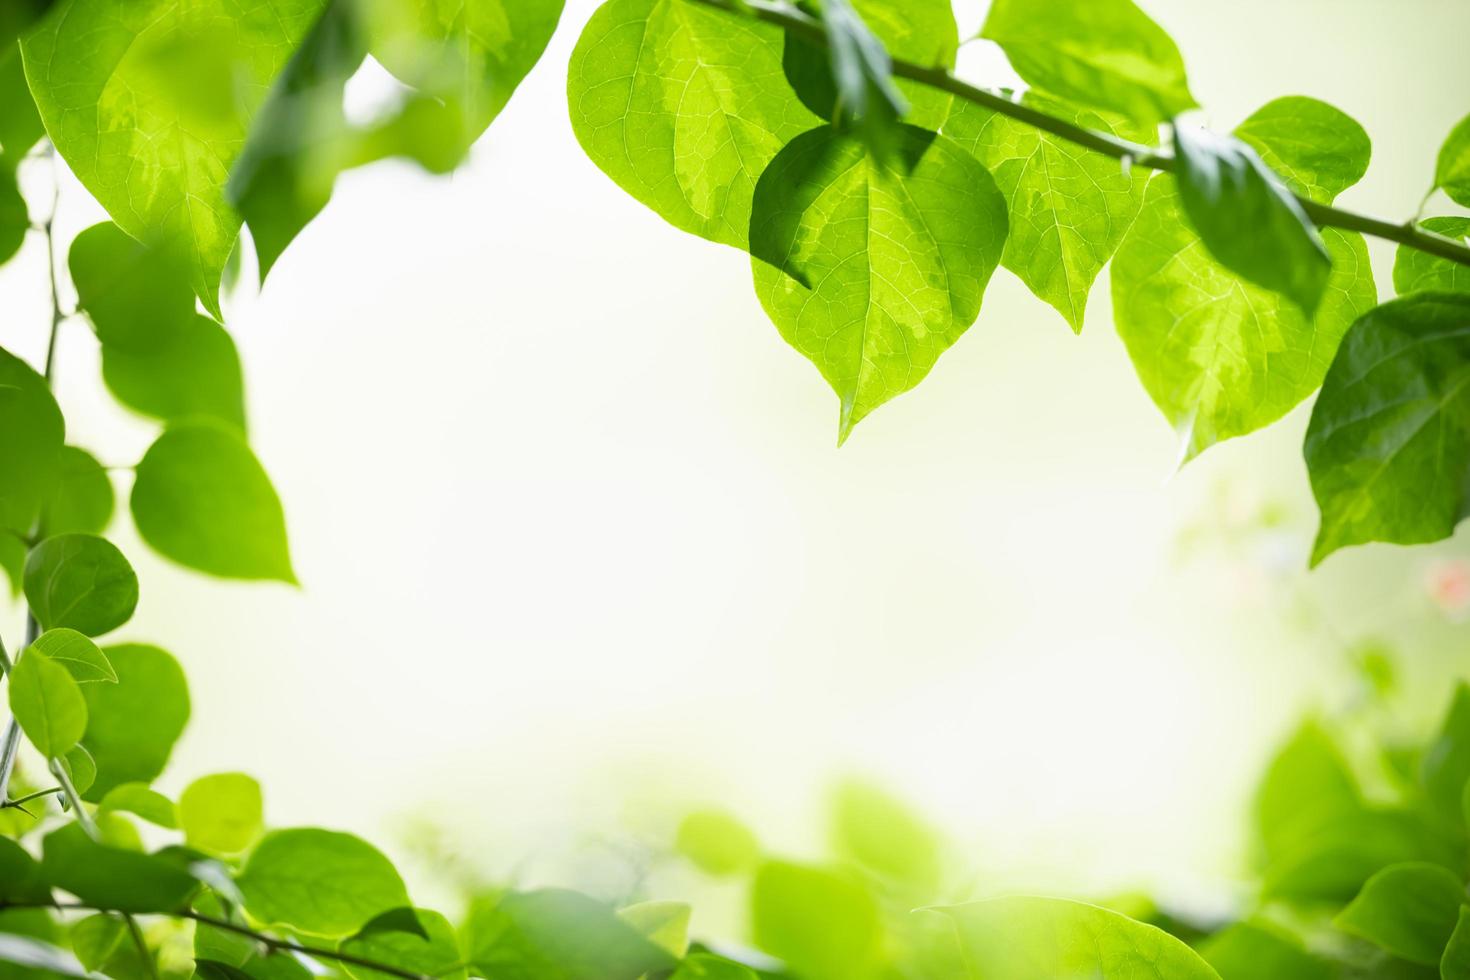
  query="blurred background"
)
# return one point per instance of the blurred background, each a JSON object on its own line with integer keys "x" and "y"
{"x": 578, "y": 553}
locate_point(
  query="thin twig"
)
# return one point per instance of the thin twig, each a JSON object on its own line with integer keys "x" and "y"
{"x": 798, "y": 24}
{"x": 142, "y": 946}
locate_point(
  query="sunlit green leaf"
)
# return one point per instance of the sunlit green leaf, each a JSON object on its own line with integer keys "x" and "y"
{"x": 872, "y": 272}
{"x": 882, "y": 833}
{"x": 222, "y": 813}
{"x": 1315, "y": 149}
{"x": 31, "y": 436}
{"x": 133, "y": 724}
{"x": 716, "y": 842}
{"x": 112, "y": 878}
{"x": 1103, "y": 53}
{"x": 1417, "y": 271}
{"x": 47, "y": 703}
{"x": 683, "y": 107}
{"x": 77, "y": 653}
{"x": 138, "y": 799}
{"x": 96, "y": 938}
{"x": 437, "y": 956}
{"x": 202, "y": 499}
{"x": 319, "y": 881}
{"x": 194, "y": 374}
{"x": 665, "y": 923}
{"x": 1388, "y": 448}
{"x": 1029, "y": 938}
{"x": 1452, "y": 169}
{"x": 80, "y": 768}
{"x": 81, "y": 582}
{"x": 825, "y": 925}
{"x": 149, "y": 102}
{"x": 557, "y": 934}
{"x": 1409, "y": 910}
{"x": 82, "y": 500}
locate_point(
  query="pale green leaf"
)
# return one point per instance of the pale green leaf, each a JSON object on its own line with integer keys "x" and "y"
{"x": 319, "y": 881}
{"x": 1415, "y": 271}
{"x": 195, "y": 374}
{"x": 435, "y": 953}
{"x": 221, "y": 813}
{"x": 77, "y": 653}
{"x": 47, "y": 703}
{"x": 1314, "y": 148}
{"x": 871, "y": 272}
{"x": 553, "y": 934}
{"x": 1452, "y": 169}
{"x": 110, "y": 877}
{"x": 36, "y": 954}
{"x": 665, "y": 923}
{"x": 80, "y": 768}
{"x": 82, "y": 499}
{"x": 1103, "y": 53}
{"x": 1388, "y": 447}
{"x": 202, "y": 499}
{"x": 1409, "y": 910}
{"x": 825, "y": 925}
{"x": 137, "y": 798}
{"x": 31, "y": 437}
{"x": 133, "y": 724}
{"x": 882, "y": 833}
{"x": 1069, "y": 207}
{"x": 81, "y": 582}
{"x": 1030, "y": 938}
{"x": 149, "y": 102}
{"x": 716, "y": 842}
{"x": 683, "y": 107}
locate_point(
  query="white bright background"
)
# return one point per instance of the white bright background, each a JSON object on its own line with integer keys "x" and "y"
{"x": 578, "y": 550}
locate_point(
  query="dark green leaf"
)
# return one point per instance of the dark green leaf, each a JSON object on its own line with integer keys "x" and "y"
{"x": 18, "y": 16}
{"x": 1452, "y": 170}
{"x": 319, "y": 881}
{"x": 13, "y": 559}
{"x": 557, "y": 935}
{"x": 15, "y": 218}
{"x": 1103, "y": 53}
{"x": 20, "y": 876}
{"x": 202, "y": 499}
{"x": 111, "y": 878}
{"x": 83, "y": 499}
{"x": 133, "y": 724}
{"x": 434, "y": 953}
{"x": 216, "y": 970}
{"x": 194, "y": 374}
{"x": 872, "y": 273}
{"x": 138, "y": 298}
{"x": 1445, "y": 771}
{"x": 20, "y": 125}
{"x": 716, "y": 842}
{"x": 1387, "y": 448}
{"x": 864, "y": 90}
{"x": 1247, "y": 218}
{"x": 683, "y": 107}
{"x": 1415, "y": 271}
{"x": 1030, "y": 938}
{"x": 47, "y": 703}
{"x": 222, "y": 813}
{"x": 825, "y": 925}
{"x": 1408, "y": 910}
{"x": 81, "y": 582}
{"x": 1455, "y": 963}
{"x": 137, "y": 798}
{"x": 31, "y": 436}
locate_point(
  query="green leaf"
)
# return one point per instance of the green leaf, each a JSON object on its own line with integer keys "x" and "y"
{"x": 13, "y": 559}
{"x": 1409, "y": 910}
{"x": 97, "y": 938}
{"x": 202, "y": 499}
{"x": 1219, "y": 356}
{"x": 1069, "y": 208}
{"x": 17, "y": 16}
{"x": 20, "y": 875}
{"x": 880, "y": 832}
{"x": 80, "y": 768}
{"x": 1415, "y": 271}
{"x": 82, "y": 500}
{"x": 664, "y": 923}
{"x": 222, "y": 813}
{"x": 133, "y": 724}
{"x": 319, "y": 881}
{"x": 716, "y": 842}
{"x": 1313, "y": 148}
{"x": 20, "y": 124}
{"x": 1452, "y": 169}
{"x": 825, "y": 925}
{"x": 1247, "y": 218}
{"x": 554, "y": 934}
{"x": 1445, "y": 771}
{"x": 1029, "y": 938}
{"x": 47, "y": 703}
{"x": 683, "y": 107}
{"x": 707, "y": 966}
{"x": 1455, "y": 963}
{"x": 436, "y": 955}
{"x": 864, "y": 91}
{"x": 149, "y": 102}
{"x": 112, "y": 878}
{"x": 1387, "y": 447}
{"x": 195, "y": 374}
{"x": 15, "y": 217}
{"x": 77, "y": 653}
{"x": 137, "y": 297}
{"x": 1103, "y": 53}
{"x": 872, "y": 273}
{"x": 81, "y": 582}
{"x": 31, "y": 436}
{"x": 137, "y": 798}
{"x": 37, "y": 954}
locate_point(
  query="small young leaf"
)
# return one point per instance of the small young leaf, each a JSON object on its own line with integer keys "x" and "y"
{"x": 77, "y": 653}
{"x": 1452, "y": 170}
{"x": 1103, "y": 53}
{"x": 1029, "y": 938}
{"x": 222, "y": 813}
{"x": 870, "y": 272}
{"x": 47, "y": 703}
{"x": 1387, "y": 448}
{"x": 557, "y": 933}
{"x": 716, "y": 842}
{"x": 137, "y": 798}
{"x": 80, "y": 768}
{"x": 202, "y": 499}
{"x": 823, "y": 924}
{"x": 319, "y": 881}
{"x": 665, "y": 923}
{"x": 111, "y": 878}
{"x": 1248, "y": 219}
{"x": 1415, "y": 271}
{"x": 138, "y": 298}
{"x": 194, "y": 374}
{"x": 31, "y": 436}
{"x": 133, "y": 724}
{"x": 683, "y": 107}
{"x": 436, "y": 953}
{"x": 82, "y": 501}
{"x": 1409, "y": 910}
{"x": 81, "y": 582}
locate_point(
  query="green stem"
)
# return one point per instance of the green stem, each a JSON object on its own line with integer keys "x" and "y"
{"x": 798, "y": 24}
{"x": 142, "y": 946}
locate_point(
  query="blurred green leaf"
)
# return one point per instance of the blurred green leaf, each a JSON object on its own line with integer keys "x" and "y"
{"x": 13, "y": 559}
{"x": 37, "y": 954}
{"x": 554, "y": 934}
{"x": 112, "y": 878}
{"x": 138, "y": 799}
{"x": 202, "y": 499}
{"x": 1415, "y": 271}
{"x": 96, "y": 939}
{"x": 47, "y": 703}
{"x": 319, "y": 881}
{"x": 666, "y": 924}
{"x": 1409, "y": 910}
{"x": 1452, "y": 169}
{"x": 1445, "y": 770}
{"x": 81, "y": 582}
{"x": 77, "y": 653}
{"x": 880, "y": 832}
{"x": 82, "y": 501}
{"x": 31, "y": 437}
{"x": 864, "y": 92}
{"x": 707, "y": 966}
{"x": 1030, "y": 938}
{"x": 20, "y": 124}
{"x": 873, "y": 273}
{"x": 1104, "y": 53}
{"x": 222, "y": 813}
{"x": 133, "y": 724}
{"x": 435, "y": 952}
{"x": 1386, "y": 449}
{"x": 15, "y": 217}
{"x": 716, "y": 842}
{"x": 826, "y": 926}
{"x": 195, "y": 374}
{"x": 1455, "y": 963}
{"x": 683, "y": 107}
{"x": 20, "y": 875}
{"x": 137, "y": 297}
